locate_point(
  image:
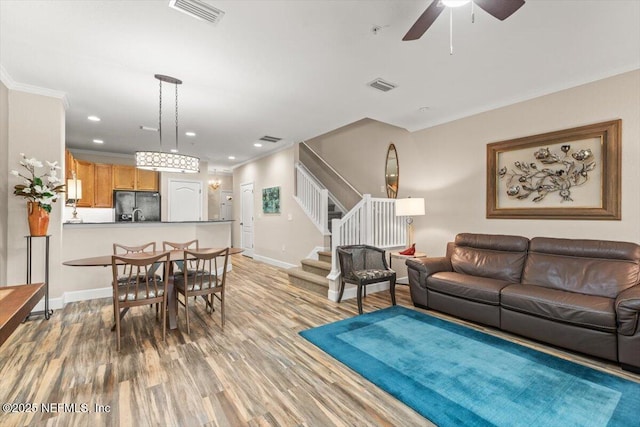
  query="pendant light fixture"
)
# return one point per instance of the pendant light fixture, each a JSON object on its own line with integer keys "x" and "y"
{"x": 163, "y": 161}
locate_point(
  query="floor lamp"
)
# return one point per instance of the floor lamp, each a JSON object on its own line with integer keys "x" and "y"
{"x": 409, "y": 208}
{"x": 74, "y": 192}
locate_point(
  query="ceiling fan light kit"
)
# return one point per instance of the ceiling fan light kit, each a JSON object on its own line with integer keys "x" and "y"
{"x": 163, "y": 161}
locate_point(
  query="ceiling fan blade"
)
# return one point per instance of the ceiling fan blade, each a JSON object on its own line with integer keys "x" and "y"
{"x": 501, "y": 9}
{"x": 424, "y": 22}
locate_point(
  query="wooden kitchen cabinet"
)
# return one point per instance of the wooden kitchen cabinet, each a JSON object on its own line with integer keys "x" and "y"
{"x": 124, "y": 177}
{"x": 69, "y": 165}
{"x": 103, "y": 193}
{"x": 146, "y": 180}
{"x": 85, "y": 172}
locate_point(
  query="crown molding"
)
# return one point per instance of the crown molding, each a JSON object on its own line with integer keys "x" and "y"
{"x": 36, "y": 90}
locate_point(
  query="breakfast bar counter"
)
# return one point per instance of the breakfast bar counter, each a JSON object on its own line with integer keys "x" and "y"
{"x": 85, "y": 240}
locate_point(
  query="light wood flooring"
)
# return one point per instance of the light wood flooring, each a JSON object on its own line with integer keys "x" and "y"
{"x": 257, "y": 372}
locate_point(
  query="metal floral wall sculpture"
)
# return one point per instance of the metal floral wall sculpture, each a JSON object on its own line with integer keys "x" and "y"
{"x": 556, "y": 173}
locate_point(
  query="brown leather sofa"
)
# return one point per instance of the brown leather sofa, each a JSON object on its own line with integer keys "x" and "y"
{"x": 583, "y": 295}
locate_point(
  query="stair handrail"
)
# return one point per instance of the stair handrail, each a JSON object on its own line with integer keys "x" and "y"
{"x": 332, "y": 198}
{"x": 312, "y": 198}
{"x": 331, "y": 168}
{"x": 373, "y": 222}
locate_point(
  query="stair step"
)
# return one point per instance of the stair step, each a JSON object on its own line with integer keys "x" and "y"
{"x": 335, "y": 214}
{"x": 321, "y": 268}
{"x": 309, "y": 281}
{"x": 324, "y": 256}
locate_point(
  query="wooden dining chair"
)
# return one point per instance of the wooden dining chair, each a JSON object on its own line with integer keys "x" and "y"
{"x": 172, "y": 246}
{"x": 124, "y": 271}
{"x": 208, "y": 281}
{"x": 141, "y": 287}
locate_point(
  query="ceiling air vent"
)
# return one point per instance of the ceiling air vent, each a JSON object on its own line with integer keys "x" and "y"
{"x": 382, "y": 85}
{"x": 198, "y": 9}
{"x": 268, "y": 138}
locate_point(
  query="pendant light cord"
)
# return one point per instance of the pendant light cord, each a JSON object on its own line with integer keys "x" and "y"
{"x": 160, "y": 116}
{"x": 176, "y": 118}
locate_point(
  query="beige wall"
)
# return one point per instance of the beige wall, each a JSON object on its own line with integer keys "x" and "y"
{"x": 286, "y": 237}
{"x": 4, "y": 184}
{"x": 358, "y": 152}
{"x": 226, "y": 183}
{"x": 446, "y": 164}
{"x": 35, "y": 127}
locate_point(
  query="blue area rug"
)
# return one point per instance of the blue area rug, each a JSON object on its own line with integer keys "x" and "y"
{"x": 457, "y": 376}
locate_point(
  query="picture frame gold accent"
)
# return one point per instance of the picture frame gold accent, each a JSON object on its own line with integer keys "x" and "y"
{"x": 599, "y": 200}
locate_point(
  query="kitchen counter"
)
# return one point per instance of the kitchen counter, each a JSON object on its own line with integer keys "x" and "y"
{"x": 85, "y": 240}
{"x": 141, "y": 223}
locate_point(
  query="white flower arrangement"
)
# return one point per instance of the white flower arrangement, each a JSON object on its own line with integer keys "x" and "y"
{"x": 44, "y": 189}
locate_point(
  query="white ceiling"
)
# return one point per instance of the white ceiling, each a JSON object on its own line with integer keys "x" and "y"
{"x": 298, "y": 69}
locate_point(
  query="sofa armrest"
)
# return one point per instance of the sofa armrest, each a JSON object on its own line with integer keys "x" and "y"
{"x": 425, "y": 267}
{"x": 628, "y": 310}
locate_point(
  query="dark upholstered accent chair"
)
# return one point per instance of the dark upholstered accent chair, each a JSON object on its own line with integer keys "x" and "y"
{"x": 362, "y": 265}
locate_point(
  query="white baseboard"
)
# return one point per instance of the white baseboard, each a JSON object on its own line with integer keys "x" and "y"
{"x": 85, "y": 295}
{"x": 350, "y": 291}
{"x": 274, "y": 262}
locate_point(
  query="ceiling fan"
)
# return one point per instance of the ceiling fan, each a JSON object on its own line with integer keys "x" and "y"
{"x": 501, "y": 9}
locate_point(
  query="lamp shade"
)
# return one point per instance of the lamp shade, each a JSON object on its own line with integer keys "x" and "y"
{"x": 74, "y": 189}
{"x": 410, "y": 206}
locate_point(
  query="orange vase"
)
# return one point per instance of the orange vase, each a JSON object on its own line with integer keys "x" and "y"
{"x": 38, "y": 219}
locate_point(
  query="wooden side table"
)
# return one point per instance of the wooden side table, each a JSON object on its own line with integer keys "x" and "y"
{"x": 404, "y": 280}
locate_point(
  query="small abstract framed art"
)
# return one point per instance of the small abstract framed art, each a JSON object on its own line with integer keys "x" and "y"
{"x": 271, "y": 200}
{"x": 567, "y": 174}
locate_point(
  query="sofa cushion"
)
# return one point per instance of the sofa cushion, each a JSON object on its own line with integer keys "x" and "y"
{"x": 587, "y": 311}
{"x": 591, "y": 267}
{"x": 480, "y": 289}
{"x": 493, "y": 256}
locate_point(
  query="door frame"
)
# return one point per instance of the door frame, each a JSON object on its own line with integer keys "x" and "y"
{"x": 247, "y": 252}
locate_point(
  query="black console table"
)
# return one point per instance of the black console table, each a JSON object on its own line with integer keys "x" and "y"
{"x": 47, "y": 312}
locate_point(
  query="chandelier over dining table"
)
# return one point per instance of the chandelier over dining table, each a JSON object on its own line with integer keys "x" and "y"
{"x": 163, "y": 161}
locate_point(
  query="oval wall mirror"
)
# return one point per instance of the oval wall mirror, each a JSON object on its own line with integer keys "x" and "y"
{"x": 391, "y": 172}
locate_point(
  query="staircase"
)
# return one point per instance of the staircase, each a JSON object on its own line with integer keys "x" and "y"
{"x": 312, "y": 274}
{"x": 333, "y": 214}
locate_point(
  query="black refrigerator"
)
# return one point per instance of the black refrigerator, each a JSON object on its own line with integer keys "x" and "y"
{"x": 146, "y": 205}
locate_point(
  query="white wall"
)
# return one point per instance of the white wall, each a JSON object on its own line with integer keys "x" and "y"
{"x": 286, "y": 237}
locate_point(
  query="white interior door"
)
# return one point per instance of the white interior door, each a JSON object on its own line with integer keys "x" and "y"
{"x": 185, "y": 200}
{"x": 226, "y": 205}
{"x": 246, "y": 218}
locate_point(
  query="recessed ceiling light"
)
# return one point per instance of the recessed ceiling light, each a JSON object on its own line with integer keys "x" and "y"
{"x": 93, "y": 118}
{"x": 173, "y": 150}
{"x": 257, "y": 144}
{"x": 98, "y": 141}
{"x": 231, "y": 157}
{"x": 149, "y": 128}
{"x": 190, "y": 133}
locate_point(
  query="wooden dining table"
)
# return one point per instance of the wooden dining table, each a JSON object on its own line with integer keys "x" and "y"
{"x": 174, "y": 255}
